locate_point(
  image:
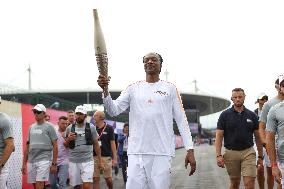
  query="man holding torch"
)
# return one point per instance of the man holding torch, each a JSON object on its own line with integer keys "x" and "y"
{"x": 153, "y": 105}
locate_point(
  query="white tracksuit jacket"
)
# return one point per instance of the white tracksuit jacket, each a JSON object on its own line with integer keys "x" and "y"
{"x": 152, "y": 108}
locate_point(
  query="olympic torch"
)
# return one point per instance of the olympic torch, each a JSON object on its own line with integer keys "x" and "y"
{"x": 100, "y": 48}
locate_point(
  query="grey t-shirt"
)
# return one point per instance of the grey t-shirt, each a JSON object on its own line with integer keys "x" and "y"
{"x": 6, "y": 131}
{"x": 40, "y": 142}
{"x": 82, "y": 152}
{"x": 275, "y": 123}
{"x": 266, "y": 107}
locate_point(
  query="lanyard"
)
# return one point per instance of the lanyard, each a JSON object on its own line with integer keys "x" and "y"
{"x": 102, "y": 132}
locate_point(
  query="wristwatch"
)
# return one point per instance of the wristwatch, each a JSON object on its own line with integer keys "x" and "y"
{"x": 54, "y": 164}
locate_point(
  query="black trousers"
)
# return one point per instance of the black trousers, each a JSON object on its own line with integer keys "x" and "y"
{"x": 124, "y": 164}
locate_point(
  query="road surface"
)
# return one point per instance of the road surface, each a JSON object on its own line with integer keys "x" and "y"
{"x": 207, "y": 176}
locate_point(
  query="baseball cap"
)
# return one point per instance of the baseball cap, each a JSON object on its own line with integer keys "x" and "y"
{"x": 262, "y": 96}
{"x": 40, "y": 107}
{"x": 81, "y": 109}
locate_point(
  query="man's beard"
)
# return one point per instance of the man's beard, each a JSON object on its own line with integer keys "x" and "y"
{"x": 78, "y": 120}
{"x": 239, "y": 105}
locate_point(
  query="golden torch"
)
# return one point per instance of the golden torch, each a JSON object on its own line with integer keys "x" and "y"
{"x": 100, "y": 47}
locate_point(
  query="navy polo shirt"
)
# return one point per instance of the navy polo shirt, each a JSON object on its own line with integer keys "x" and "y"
{"x": 105, "y": 136}
{"x": 238, "y": 128}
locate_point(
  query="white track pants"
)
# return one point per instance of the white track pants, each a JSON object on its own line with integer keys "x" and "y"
{"x": 148, "y": 172}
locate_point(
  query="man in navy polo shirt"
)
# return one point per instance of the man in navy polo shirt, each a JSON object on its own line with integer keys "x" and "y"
{"x": 108, "y": 150}
{"x": 237, "y": 125}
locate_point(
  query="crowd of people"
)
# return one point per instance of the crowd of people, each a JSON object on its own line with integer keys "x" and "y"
{"x": 80, "y": 152}
{"x": 77, "y": 153}
{"x": 246, "y": 133}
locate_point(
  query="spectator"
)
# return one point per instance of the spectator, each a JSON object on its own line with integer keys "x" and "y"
{"x": 58, "y": 180}
{"x": 237, "y": 125}
{"x": 41, "y": 149}
{"x": 122, "y": 150}
{"x": 6, "y": 147}
{"x": 108, "y": 150}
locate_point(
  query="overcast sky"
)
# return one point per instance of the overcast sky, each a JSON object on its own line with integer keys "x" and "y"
{"x": 221, "y": 44}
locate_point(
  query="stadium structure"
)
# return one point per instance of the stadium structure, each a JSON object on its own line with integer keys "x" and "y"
{"x": 195, "y": 104}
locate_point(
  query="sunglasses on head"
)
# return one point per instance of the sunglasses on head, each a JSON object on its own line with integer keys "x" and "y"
{"x": 37, "y": 112}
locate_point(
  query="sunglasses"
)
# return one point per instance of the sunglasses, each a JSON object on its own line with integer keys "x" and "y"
{"x": 37, "y": 112}
{"x": 79, "y": 113}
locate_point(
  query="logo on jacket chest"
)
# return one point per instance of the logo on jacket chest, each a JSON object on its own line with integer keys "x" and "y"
{"x": 162, "y": 93}
{"x": 157, "y": 96}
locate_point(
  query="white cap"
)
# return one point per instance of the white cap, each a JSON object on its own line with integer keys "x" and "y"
{"x": 40, "y": 107}
{"x": 81, "y": 109}
{"x": 261, "y": 96}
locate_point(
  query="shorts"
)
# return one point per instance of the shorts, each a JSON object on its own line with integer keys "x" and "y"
{"x": 80, "y": 173}
{"x": 148, "y": 171}
{"x": 38, "y": 171}
{"x": 107, "y": 163}
{"x": 240, "y": 163}
{"x": 4, "y": 177}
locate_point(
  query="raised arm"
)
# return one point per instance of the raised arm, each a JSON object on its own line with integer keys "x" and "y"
{"x": 115, "y": 107}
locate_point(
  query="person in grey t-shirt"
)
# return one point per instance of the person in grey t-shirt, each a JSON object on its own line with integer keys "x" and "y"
{"x": 266, "y": 108}
{"x": 6, "y": 147}
{"x": 262, "y": 126}
{"x": 81, "y": 162}
{"x": 41, "y": 149}
{"x": 275, "y": 125}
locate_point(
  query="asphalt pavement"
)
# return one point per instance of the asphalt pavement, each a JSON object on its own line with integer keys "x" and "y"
{"x": 207, "y": 176}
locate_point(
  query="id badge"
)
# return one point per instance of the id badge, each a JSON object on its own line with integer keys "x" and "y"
{"x": 100, "y": 143}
